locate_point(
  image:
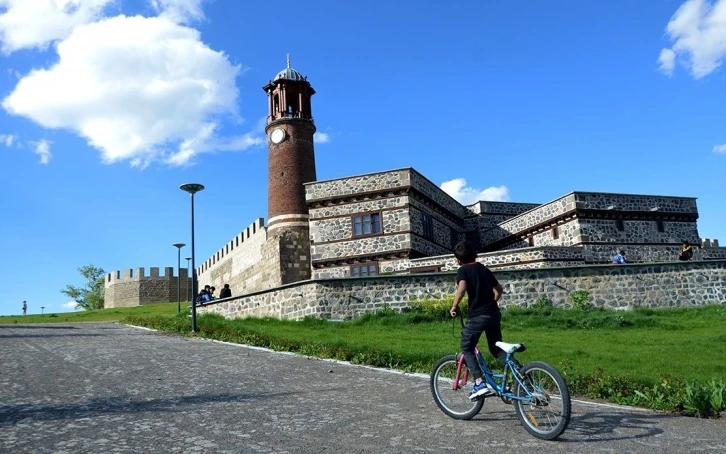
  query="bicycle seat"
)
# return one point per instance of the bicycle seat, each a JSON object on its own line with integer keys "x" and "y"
{"x": 511, "y": 348}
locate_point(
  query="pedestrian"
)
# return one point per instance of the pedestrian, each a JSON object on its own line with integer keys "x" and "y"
{"x": 25, "y": 307}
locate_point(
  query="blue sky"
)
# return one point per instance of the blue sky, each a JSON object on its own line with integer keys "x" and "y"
{"x": 108, "y": 106}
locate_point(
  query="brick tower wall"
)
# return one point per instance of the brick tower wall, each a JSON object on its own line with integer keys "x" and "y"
{"x": 291, "y": 164}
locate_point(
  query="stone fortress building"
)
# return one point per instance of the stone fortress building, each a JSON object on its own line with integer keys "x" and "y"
{"x": 397, "y": 222}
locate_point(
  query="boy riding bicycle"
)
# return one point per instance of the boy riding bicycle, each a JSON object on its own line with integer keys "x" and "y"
{"x": 483, "y": 291}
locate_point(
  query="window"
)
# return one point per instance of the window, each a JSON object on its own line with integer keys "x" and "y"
{"x": 620, "y": 225}
{"x": 364, "y": 269}
{"x": 367, "y": 224}
{"x": 428, "y": 226}
{"x": 660, "y": 225}
{"x": 530, "y": 240}
{"x": 555, "y": 232}
{"x": 425, "y": 269}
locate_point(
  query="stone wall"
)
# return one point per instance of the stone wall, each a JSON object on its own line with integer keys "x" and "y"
{"x": 637, "y": 231}
{"x": 562, "y": 234}
{"x": 525, "y": 258}
{"x": 129, "y": 288}
{"x": 360, "y": 184}
{"x": 673, "y": 284}
{"x": 634, "y": 202}
{"x": 598, "y": 214}
{"x": 237, "y": 263}
{"x": 403, "y": 219}
{"x": 530, "y": 219}
{"x": 504, "y": 208}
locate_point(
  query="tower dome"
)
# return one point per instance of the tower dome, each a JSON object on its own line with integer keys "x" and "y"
{"x": 289, "y": 73}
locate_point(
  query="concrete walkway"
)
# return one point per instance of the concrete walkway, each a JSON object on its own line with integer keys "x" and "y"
{"x": 109, "y": 388}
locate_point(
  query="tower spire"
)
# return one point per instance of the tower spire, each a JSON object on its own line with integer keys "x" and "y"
{"x": 288, "y": 61}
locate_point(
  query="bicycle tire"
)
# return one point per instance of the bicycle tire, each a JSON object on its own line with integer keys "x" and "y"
{"x": 525, "y": 411}
{"x": 469, "y": 408}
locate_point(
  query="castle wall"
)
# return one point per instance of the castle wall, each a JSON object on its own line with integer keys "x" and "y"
{"x": 357, "y": 185}
{"x": 674, "y": 284}
{"x": 504, "y": 208}
{"x": 416, "y": 221}
{"x": 129, "y": 288}
{"x": 528, "y": 220}
{"x": 598, "y": 214}
{"x": 562, "y": 234}
{"x": 238, "y": 263}
{"x": 526, "y": 258}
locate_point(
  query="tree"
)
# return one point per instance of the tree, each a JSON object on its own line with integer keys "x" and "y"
{"x": 89, "y": 297}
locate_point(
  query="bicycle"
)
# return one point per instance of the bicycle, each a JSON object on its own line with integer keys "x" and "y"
{"x": 531, "y": 396}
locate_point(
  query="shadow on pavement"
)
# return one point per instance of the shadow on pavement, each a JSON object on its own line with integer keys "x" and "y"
{"x": 12, "y": 414}
{"x": 37, "y": 326}
{"x": 40, "y": 336}
{"x": 597, "y": 426}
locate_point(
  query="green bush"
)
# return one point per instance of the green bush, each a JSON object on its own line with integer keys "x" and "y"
{"x": 439, "y": 309}
{"x": 543, "y": 302}
{"x": 580, "y": 299}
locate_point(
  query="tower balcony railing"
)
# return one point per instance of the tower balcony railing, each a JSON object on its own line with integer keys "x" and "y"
{"x": 271, "y": 118}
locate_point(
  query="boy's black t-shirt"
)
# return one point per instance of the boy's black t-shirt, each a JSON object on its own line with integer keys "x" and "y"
{"x": 480, "y": 283}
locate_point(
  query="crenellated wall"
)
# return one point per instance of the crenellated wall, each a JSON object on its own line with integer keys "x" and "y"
{"x": 672, "y": 284}
{"x": 128, "y": 288}
{"x": 238, "y": 263}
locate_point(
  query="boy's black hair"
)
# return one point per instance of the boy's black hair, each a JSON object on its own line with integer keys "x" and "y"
{"x": 464, "y": 251}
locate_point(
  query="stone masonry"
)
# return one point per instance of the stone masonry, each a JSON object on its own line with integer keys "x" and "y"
{"x": 128, "y": 288}
{"x": 672, "y": 284}
{"x": 397, "y": 222}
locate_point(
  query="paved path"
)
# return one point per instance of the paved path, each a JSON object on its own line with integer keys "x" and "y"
{"x": 109, "y": 388}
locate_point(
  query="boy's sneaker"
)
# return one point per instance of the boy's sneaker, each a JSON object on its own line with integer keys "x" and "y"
{"x": 481, "y": 390}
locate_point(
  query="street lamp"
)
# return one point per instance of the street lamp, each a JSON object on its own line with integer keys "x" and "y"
{"x": 187, "y": 259}
{"x": 178, "y": 247}
{"x": 193, "y": 188}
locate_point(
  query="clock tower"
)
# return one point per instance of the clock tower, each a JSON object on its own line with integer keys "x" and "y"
{"x": 291, "y": 154}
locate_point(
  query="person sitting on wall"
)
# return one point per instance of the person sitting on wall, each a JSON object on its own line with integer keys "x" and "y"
{"x": 204, "y": 295}
{"x": 211, "y": 293}
{"x": 686, "y": 253}
{"x": 226, "y": 292}
{"x": 619, "y": 258}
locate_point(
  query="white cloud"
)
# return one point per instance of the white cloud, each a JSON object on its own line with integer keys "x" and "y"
{"x": 667, "y": 61}
{"x": 698, "y": 32}
{"x": 465, "y": 195}
{"x": 69, "y": 305}
{"x": 7, "y": 139}
{"x": 42, "y": 149}
{"x": 179, "y": 11}
{"x": 720, "y": 149}
{"x": 26, "y": 24}
{"x": 321, "y": 137}
{"x": 138, "y": 89}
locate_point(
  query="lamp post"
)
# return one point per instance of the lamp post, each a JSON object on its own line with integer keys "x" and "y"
{"x": 187, "y": 259}
{"x": 193, "y": 188}
{"x": 178, "y": 247}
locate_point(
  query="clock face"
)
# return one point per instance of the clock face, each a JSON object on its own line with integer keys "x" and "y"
{"x": 278, "y": 135}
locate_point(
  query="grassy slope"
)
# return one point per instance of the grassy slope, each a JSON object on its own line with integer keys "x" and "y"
{"x": 105, "y": 315}
{"x": 638, "y": 344}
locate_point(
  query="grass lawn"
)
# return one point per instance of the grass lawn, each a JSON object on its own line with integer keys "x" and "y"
{"x": 642, "y": 344}
{"x": 105, "y": 315}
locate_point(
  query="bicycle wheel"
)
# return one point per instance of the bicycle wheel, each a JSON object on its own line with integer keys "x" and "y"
{"x": 455, "y": 403}
{"x": 546, "y": 414}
